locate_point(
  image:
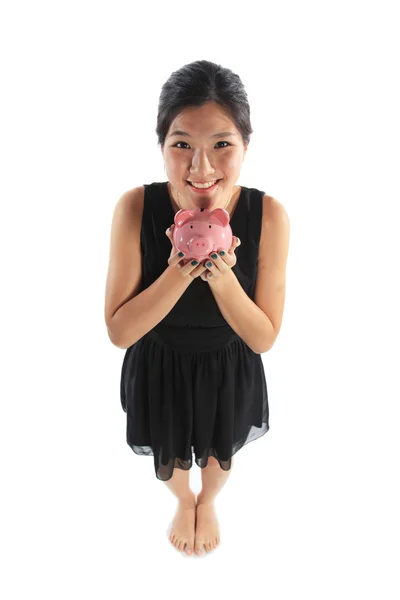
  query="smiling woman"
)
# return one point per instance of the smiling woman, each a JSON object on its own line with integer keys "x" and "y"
{"x": 192, "y": 382}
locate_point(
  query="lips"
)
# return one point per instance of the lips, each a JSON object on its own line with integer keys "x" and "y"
{"x": 217, "y": 181}
{"x": 208, "y": 191}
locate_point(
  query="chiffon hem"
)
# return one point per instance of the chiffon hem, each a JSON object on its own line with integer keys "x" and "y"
{"x": 165, "y": 472}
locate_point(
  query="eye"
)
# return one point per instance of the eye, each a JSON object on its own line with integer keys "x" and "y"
{"x": 223, "y": 142}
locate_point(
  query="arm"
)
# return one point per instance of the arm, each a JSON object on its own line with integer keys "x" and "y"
{"x": 242, "y": 314}
{"x": 258, "y": 323}
{"x": 143, "y": 312}
{"x": 129, "y": 315}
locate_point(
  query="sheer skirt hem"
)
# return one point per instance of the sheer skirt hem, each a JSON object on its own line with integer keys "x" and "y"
{"x": 164, "y": 472}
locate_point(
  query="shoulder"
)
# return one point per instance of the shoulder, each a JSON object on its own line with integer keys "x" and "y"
{"x": 132, "y": 200}
{"x": 129, "y": 208}
{"x": 275, "y": 222}
{"x": 273, "y": 209}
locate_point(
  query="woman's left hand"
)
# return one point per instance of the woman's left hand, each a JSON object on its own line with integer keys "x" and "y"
{"x": 221, "y": 264}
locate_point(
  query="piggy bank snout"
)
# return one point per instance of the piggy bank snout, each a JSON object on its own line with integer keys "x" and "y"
{"x": 200, "y": 245}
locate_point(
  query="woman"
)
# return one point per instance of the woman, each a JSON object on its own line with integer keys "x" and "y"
{"x": 192, "y": 379}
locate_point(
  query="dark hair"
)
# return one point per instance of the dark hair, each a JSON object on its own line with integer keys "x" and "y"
{"x": 196, "y": 84}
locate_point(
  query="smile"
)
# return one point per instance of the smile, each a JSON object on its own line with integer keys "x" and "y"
{"x": 205, "y": 189}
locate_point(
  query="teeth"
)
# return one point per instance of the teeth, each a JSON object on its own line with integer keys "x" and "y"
{"x": 203, "y": 185}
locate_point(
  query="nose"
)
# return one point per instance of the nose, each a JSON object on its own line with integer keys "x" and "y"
{"x": 200, "y": 246}
{"x": 201, "y": 166}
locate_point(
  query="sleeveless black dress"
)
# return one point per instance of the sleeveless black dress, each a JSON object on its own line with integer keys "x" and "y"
{"x": 191, "y": 384}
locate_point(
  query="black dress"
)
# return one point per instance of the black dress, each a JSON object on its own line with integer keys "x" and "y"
{"x": 191, "y": 384}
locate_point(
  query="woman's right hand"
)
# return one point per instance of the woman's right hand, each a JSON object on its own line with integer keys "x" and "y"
{"x": 175, "y": 260}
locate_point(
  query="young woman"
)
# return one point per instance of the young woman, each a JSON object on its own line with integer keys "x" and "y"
{"x": 192, "y": 379}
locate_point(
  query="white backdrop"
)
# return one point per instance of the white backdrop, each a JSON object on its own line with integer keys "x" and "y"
{"x": 310, "y": 509}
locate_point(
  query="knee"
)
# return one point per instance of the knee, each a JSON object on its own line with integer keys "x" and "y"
{"x": 212, "y": 462}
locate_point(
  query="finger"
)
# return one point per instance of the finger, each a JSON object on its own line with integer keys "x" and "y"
{"x": 174, "y": 259}
{"x": 198, "y": 271}
{"x": 221, "y": 261}
{"x": 169, "y": 232}
{"x": 235, "y": 243}
{"x": 185, "y": 269}
{"x": 204, "y": 276}
{"x": 216, "y": 269}
{"x": 192, "y": 270}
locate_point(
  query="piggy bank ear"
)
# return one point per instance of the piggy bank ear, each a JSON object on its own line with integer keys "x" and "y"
{"x": 222, "y": 215}
{"x": 182, "y": 216}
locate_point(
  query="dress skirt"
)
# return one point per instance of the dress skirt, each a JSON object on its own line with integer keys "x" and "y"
{"x": 192, "y": 390}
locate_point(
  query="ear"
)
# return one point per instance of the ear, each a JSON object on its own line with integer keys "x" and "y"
{"x": 222, "y": 215}
{"x": 182, "y": 216}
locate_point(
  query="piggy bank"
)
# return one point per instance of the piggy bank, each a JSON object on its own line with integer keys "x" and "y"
{"x": 201, "y": 231}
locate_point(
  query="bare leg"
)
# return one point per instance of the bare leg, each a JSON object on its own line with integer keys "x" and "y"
{"x": 182, "y": 531}
{"x": 207, "y": 528}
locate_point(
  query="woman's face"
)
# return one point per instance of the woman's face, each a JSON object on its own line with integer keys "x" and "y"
{"x": 203, "y": 156}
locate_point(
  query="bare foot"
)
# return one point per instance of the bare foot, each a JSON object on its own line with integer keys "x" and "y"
{"x": 207, "y": 528}
{"x": 182, "y": 529}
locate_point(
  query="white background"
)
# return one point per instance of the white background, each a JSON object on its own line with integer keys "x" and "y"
{"x": 310, "y": 510}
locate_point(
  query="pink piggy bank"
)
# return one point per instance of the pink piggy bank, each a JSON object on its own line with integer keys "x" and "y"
{"x": 201, "y": 231}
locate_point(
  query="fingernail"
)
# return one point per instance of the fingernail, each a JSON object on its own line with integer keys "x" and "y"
{"x": 194, "y": 262}
{"x": 222, "y": 253}
{"x": 181, "y": 254}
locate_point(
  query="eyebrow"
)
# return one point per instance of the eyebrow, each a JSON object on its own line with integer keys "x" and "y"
{"x": 215, "y": 135}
